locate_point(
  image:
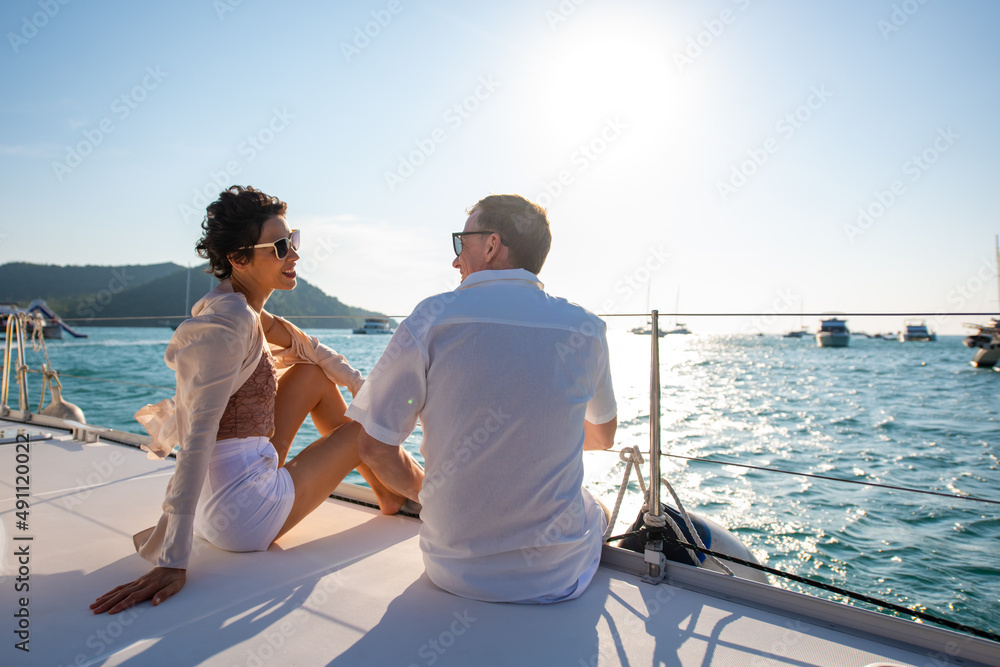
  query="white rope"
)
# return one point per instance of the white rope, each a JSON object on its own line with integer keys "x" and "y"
{"x": 694, "y": 533}
{"x": 661, "y": 521}
{"x": 37, "y": 333}
{"x": 631, "y": 456}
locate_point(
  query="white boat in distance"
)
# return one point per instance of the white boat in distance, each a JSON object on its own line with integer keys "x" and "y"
{"x": 916, "y": 331}
{"x": 646, "y": 330}
{"x": 40, "y": 315}
{"x": 375, "y": 325}
{"x": 833, "y": 333}
{"x": 986, "y": 340}
{"x": 347, "y": 586}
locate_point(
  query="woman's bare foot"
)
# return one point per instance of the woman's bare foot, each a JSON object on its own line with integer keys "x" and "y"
{"x": 389, "y": 501}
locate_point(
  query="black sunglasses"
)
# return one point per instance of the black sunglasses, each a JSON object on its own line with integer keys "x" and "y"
{"x": 456, "y": 240}
{"x": 281, "y": 245}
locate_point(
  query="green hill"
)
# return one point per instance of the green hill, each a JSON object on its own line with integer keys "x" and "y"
{"x": 21, "y": 282}
{"x": 153, "y": 295}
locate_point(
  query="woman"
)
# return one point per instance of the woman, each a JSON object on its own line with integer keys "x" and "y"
{"x": 246, "y": 379}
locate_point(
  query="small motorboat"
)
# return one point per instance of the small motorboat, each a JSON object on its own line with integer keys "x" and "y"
{"x": 375, "y": 325}
{"x": 833, "y": 333}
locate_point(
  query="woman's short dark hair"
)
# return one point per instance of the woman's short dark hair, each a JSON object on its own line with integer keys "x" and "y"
{"x": 519, "y": 222}
{"x": 232, "y": 224}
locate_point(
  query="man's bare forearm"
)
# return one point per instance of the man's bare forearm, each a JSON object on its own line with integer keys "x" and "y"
{"x": 599, "y": 436}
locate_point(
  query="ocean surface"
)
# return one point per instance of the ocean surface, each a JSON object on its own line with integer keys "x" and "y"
{"x": 903, "y": 414}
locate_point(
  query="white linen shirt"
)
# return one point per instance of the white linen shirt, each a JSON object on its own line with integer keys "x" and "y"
{"x": 502, "y": 376}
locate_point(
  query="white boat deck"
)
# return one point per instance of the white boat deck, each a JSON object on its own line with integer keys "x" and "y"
{"x": 347, "y": 587}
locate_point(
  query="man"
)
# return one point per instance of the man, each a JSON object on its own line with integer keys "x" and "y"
{"x": 510, "y": 385}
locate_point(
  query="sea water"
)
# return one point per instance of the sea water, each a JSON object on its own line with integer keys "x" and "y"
{"x": 911, "y": 415}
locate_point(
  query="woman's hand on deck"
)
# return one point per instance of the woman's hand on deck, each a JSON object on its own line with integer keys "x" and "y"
{"x": 158, "y": 584}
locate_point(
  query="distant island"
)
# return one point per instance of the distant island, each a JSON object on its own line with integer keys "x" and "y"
{"x": 153, "y": 295}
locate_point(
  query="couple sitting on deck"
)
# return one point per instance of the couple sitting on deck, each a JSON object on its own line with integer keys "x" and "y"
{"x": 510, "y": 385}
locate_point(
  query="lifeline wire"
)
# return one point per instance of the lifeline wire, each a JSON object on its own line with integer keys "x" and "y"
{"x": 399, "y": 317}
{"x": 829, "y": 587}
{"x": 85, "y": 377}
{"x": 835, "y": 479}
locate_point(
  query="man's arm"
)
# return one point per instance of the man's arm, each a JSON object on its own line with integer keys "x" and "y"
{"x": 392, "y": 464}
{"x": 599, "y": 436}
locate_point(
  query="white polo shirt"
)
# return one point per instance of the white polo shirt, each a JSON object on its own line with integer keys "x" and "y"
{"x": 502, "y": 376}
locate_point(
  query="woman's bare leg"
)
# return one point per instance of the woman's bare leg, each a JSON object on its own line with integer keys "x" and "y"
{"x": 319, "y": 468}
{"x": 305, "y": 390}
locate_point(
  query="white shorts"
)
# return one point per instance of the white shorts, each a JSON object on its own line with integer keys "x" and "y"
{"x": 246, "y": 497}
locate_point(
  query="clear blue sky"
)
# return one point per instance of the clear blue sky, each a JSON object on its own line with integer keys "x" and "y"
{"x": 716, "y": 150}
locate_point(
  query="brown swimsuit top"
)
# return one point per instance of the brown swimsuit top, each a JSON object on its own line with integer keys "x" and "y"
{"x": 250, "y": 411}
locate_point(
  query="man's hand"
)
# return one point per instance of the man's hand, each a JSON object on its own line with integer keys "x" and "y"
{"x": 159, "y": 584}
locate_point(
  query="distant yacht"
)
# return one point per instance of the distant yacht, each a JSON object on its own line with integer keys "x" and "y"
{"x": 646, "y": 330}
{"x": 802, "y": 331}
{"x": 916, "y": 331}
{"x": 678, "y": 327}
{"x": 833, "y": 333}
{"x": 986, "y": 340}
{"x": 375, "y": 325}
